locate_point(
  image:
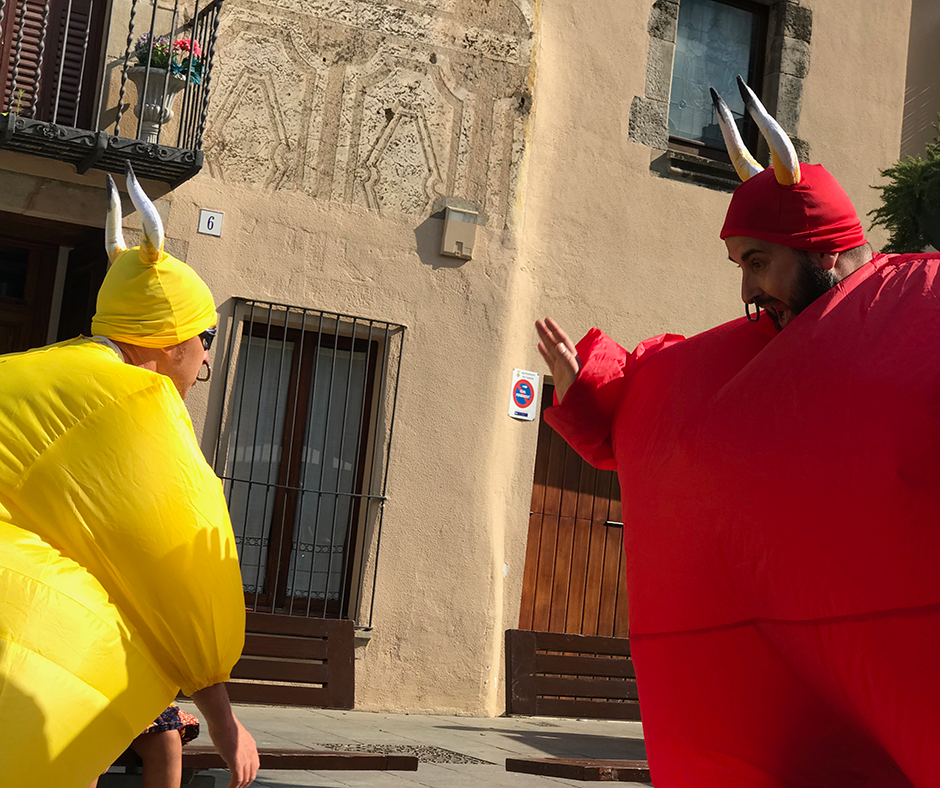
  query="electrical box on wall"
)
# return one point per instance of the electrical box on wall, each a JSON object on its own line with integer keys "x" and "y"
{"x": 460, "y": 230}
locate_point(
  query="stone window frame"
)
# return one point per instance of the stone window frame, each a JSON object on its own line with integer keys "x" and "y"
{"x": 786, "y": 64}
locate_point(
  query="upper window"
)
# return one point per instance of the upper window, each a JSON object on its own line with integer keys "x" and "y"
{"x": 716, "y": 40}
{"x": 698, "y": 44}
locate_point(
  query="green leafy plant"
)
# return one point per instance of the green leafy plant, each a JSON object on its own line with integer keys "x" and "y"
{"x": 910, "y": 208}
{"x": 19, "y": 101}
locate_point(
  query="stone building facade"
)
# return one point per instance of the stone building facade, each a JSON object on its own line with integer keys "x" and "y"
{"x": 339, "y": 132}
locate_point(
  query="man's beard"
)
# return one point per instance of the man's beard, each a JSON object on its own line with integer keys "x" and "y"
{"x": 812, "y": 281}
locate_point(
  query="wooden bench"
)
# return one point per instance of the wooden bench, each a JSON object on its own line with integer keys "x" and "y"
{"x": 296, "y": 661}
{"x": 582, "y": 769}
{"x": 570, "y": 676}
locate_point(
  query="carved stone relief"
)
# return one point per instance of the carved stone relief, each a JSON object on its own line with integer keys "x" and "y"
{"x": 399, "y": 129}
{"x": 262, "y": 128}
{"x": 380, "y": 105}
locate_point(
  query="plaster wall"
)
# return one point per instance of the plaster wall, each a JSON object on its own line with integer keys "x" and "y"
{"x": 853, "y": 100}
{"x": 336, "y": 131}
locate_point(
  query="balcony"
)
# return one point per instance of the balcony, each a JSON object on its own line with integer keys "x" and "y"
{"x": 72, "y": 90}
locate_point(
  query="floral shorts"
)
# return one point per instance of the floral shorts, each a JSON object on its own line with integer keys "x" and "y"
{"x": 175, "y": 719}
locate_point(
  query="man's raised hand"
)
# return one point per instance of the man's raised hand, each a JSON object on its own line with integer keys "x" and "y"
{"x": 559, "y": 353}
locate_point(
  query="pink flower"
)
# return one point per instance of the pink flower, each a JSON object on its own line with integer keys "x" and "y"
{"x": 187, "y": 45}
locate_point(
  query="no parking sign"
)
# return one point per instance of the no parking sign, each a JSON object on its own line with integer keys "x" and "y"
{"x": 524, "y": 399}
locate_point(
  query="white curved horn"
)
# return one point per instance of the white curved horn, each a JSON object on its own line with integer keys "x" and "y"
{"x": 744, "y": 163}
{"x": 151, "y": 243}
{"x": 113, "y": 234}
{"x": 786, "y": 163}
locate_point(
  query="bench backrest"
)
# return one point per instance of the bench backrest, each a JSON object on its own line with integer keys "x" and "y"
{"x": 561, "y": 675}
{"x": 296, "y": 661}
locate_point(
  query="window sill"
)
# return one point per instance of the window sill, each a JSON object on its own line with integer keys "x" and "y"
{"x": 361, "y": 638}
{"x": 694, "y": 169}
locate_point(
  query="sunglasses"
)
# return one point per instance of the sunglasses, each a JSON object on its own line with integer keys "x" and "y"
{"x": 207, "y": 336}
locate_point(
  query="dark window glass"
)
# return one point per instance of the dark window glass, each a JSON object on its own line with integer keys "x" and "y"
{"x": 715, "y": 42}
{"x": 14, "y": 264}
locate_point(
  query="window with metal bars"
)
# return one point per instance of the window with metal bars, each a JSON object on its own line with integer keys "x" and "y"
{"x": 303, "y": 454}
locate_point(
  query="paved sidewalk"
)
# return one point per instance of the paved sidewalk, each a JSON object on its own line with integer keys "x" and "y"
{"x": 455, "y": 752}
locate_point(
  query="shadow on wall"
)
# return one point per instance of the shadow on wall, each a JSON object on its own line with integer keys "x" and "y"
{"x": 428, "y": 242}
{"x": 922, "y": 92}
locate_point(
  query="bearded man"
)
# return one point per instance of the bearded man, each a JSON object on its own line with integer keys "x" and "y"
{"x": 780, "y": 485}
{"x": 119, "y": 578}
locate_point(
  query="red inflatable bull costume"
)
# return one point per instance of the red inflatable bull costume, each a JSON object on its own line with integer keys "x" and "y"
{"x": 119, "y": 579}
{"x": 781, "y": 498}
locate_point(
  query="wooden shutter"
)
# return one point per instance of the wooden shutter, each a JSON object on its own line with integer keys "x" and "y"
{"x": 28, "y": 14}
{"x": 73, "y": 86}
{"x": 37, "y": 93}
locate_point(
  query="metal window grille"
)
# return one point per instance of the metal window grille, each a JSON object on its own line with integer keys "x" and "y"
{"x": 303, "y": 450}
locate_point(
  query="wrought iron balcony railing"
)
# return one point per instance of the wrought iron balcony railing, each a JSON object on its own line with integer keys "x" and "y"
{"x": 66, "y": 81}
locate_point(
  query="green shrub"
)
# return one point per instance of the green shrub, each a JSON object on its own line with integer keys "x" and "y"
{"x": 910, "y": 208}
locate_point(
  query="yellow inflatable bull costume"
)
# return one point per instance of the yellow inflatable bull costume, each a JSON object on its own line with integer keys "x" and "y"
{"x": 119, "y": 579}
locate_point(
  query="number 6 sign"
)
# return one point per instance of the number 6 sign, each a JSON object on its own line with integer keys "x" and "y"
{"x": 210, "y": 222}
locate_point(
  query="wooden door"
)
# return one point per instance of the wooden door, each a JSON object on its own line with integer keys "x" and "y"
{"x": 87, "y": 265}
{"x": 29, "y": 259}
{"x": 573, "y": 579}
{"x": 573, "y": 585}
{"x": 27, "y": 274}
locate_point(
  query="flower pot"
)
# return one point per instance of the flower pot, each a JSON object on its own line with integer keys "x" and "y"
{"x": 156, "y": 107}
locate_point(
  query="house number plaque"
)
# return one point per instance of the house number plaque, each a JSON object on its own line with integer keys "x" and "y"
{"x": 210, "y": 222}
